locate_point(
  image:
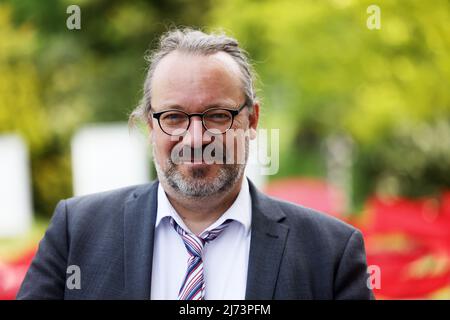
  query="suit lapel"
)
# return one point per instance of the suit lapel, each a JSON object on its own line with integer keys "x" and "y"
{"x": 267, "y": 243}
{"x": 139, "y": 227}
{"x": 268, "y": 239}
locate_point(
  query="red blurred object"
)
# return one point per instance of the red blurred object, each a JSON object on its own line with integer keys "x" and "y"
{"x": 410, "y": 241}
{"x": 12, "y": 275}
{"x": 425, "y": 219}
{"x": 312, "y": 193}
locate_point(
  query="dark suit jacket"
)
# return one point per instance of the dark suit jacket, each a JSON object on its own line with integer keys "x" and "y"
{"x": 295, "y": 252}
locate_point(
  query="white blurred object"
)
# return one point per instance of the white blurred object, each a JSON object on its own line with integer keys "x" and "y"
{"x": 254, "y": 169}
{"x": 15, "y": 190}
{"x": 339, "y": 160}
{"x": 108, "y": 156}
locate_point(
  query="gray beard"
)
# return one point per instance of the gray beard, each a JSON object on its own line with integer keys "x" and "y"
{"x": 195, "y": 185}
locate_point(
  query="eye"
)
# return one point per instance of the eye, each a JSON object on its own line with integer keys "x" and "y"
{"x": 173, "y": 117}
{"x": 218, "y": 116}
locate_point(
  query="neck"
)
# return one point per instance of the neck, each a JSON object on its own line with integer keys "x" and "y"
{"x": 198, "y": 214}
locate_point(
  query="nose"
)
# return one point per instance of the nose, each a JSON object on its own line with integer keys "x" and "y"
{"x": 195, "y": 136}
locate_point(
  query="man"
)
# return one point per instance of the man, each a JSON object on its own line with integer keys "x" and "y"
{"x": 203, "y": 231}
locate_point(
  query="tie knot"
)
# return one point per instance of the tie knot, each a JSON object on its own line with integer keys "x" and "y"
{"x": 194, "y": 244}
{"x": 214, "y": 233}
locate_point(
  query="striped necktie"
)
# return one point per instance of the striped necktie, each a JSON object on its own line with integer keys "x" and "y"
{"x": 193, "y": 286}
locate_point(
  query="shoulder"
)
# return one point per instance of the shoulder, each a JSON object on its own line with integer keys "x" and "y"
{"x": 112, "y": 199}
{"x": 309, "y": 225}
{"x": 101, "y": 208}
{"x": 308, "y": 218}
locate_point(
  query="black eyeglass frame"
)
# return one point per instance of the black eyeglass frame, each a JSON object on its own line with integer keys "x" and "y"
{"x": 234, "y": 113}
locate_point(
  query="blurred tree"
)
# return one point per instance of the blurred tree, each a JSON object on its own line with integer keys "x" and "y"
{"x": 22, "y": 111}
{"x": 20, "y": 101}
{"x": 326, "y": 73}
{"x": 57, "y": 78}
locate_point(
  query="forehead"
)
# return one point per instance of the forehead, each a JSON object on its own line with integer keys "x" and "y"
{"x": 193, "y": 81}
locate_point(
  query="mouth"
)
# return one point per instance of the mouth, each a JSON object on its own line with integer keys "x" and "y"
{"x": 199, "y": 158}
{"x": 193, "y": 161}
{"x": 195, "y": 165}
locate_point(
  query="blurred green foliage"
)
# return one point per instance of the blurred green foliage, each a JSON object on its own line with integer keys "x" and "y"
{"x": 325, "y": 73}
{"x": 322, "y": 72}
{"x": 54, "y": 79}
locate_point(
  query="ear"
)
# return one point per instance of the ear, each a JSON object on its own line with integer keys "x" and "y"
{"x": 150, "y": 124}
{"x": 150, "y": 129}
{"x": 253, "y": 120}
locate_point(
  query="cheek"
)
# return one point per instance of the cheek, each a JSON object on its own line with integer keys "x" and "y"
{"x": 235, "y": 146}
{"x": 163, "y": 145}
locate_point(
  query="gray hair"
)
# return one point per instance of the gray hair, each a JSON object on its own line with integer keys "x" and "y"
{"x": 196, "y": 42}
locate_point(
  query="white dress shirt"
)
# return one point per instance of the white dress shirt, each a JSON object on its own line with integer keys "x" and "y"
{"x": 225, "y": 259}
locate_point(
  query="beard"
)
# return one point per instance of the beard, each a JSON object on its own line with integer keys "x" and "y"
{"x": 196, "y": 183}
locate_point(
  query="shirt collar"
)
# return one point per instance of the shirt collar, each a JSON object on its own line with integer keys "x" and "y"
{"x": 239, "y": 211}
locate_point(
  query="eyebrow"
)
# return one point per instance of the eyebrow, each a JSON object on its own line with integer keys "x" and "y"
{"x": 206, "y": 107}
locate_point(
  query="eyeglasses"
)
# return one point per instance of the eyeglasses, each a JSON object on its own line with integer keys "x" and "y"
{"x": 215, "y": 120}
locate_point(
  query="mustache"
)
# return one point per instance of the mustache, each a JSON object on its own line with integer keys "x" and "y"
{"x": 210, "y": 153}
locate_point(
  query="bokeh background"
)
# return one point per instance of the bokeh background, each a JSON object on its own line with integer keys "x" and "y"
{"x": 364, "y": 115}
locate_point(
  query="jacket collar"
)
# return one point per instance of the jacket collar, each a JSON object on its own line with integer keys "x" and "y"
{"x": 268, "y": 239}
{"x": 267, "y": 244}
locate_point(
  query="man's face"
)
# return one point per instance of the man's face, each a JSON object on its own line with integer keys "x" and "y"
{"x": 195, "y": 83}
